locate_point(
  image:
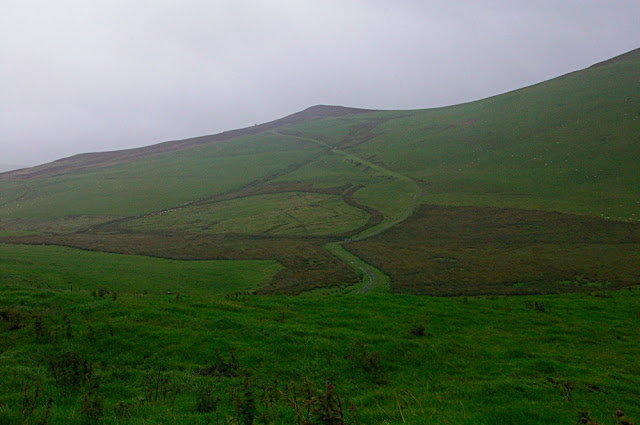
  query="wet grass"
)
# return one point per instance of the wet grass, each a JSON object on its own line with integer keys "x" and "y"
{"x": 159, "y": 182}
{"x": 172, "y": 340}
{"x": 306, "y": 264}
{"x": 569, "y": 144}
{"x": 151, "y": 357}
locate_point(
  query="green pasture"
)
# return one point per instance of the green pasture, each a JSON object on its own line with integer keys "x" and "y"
{"x": 201, "y": 356}
{"x": 66, "y": 269}
{"x": 292, "y": 213}
{"x": 389, "y": 193}
{"x": 568, "y": 144}
{"x": 159, "y": 182}
{"x": 96, "y": 338}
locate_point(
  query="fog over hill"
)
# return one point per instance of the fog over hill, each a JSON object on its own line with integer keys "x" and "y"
{"x": 101, "y": 76}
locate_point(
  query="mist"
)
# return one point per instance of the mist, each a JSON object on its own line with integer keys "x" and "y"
{"x": 81, "y": 76}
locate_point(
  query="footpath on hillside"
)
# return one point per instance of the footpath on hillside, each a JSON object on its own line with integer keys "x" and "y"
{"x": 376, "y": 277}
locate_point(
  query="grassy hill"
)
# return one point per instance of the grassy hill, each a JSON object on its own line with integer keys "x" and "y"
{"x": 159, "y": 316}
{"x": 567, "y": 145}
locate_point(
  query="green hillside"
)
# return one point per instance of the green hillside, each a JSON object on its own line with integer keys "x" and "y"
{"x": 570, "y": 144}
{"x": 328, "y": 173}
{"x": 268, "y": 275}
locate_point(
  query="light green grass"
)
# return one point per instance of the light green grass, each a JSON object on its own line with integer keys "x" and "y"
{"x": 384, "y": 190}
{"x": 569, "y": 144}
{"x": 290, "y": 213}
{"x": 333, "y": 170}
{"x": 62, "y": 268}
{"x": 154, "y": 183}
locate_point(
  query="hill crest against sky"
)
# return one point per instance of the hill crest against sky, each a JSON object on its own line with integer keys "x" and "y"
{"x": 84, "y": 161}
{"x": 97, "y": 159}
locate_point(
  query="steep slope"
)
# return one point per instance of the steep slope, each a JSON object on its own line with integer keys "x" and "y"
{"x": 570, "y": 144}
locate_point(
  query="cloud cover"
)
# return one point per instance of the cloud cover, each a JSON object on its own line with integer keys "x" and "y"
{"x": 79, "y": 76}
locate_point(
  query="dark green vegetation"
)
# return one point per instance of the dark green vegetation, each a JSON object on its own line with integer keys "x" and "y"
{"x": 532, "y": 192}
{"x": 306, "y": 264}
{"x": 111, "y": 353}
{"x": 472, "y": 250}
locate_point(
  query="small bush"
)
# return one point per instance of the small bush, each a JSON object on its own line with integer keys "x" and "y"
{"x": 327, "y": 407}
{"x": 220, "y": 367}
{"x": 244, "y": 404}
{"x": 40, "y": 330}
{"x": 14, "y": 318}
{"x": 68, "y": 331}
{"x": 91, "y": 408}
{"x": 370, "y": 362}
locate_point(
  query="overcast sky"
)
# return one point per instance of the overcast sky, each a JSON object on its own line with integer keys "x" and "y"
{"x": 81, "y": 76}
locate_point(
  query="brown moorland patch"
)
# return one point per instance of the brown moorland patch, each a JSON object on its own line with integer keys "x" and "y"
{"x": 470, "y": 250}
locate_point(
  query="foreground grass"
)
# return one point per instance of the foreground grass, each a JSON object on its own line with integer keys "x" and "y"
{"x": 66, "y": 269}
{"x": 146, "y": 356}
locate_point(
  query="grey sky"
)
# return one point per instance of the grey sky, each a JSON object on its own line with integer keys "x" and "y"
{"x": 79, "y": 76}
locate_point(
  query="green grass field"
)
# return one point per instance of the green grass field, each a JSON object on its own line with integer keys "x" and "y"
{"x": 569, "y": 144}
{"x": 154, "y": 183}
{"x": 202, "y": 357}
